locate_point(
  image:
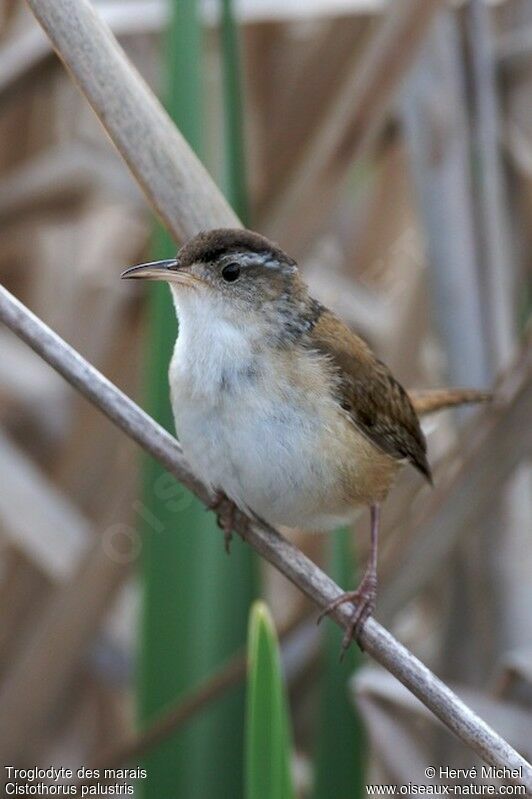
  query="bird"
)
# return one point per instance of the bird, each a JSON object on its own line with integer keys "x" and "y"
{"x": 280, "y": 408}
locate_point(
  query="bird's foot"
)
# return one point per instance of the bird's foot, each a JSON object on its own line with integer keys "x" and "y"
{"x": 225, "y": 510}
{"x": 363, "y": 600}
{"x": 227, "y": 515}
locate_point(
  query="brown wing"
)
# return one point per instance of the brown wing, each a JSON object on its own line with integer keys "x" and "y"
{"x": 377, "y": 403}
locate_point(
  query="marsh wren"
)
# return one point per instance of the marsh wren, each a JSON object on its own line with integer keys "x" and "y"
{"x": 277, "y": 404}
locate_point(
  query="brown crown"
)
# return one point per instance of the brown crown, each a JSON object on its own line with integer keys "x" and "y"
{"x": 210, "y": 245}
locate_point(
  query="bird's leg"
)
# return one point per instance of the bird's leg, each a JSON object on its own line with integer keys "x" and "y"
{"x": 226, "y": 512}
{"x": 363, "y": 597}
{"x": 229, "y": 517}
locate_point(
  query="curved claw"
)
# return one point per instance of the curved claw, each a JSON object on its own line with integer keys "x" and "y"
{"x": 229, "y": 517}
{"x": 364, "y": 609}
{"x": 225, "y": 510}
{"x": 363, "y": 601}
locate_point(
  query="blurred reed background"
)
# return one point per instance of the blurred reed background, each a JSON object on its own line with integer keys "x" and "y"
{"x": 393, "y": 145}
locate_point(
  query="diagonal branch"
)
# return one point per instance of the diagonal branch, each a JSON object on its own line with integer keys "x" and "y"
{"x": 289, "y": 560}
{"x": 174, "y": 180}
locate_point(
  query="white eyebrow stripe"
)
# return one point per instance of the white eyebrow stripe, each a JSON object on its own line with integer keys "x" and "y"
{"x": 253, "y": 258}
{"x": 269, "y": 260}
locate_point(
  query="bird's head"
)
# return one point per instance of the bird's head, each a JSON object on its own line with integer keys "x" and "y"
{"x": 230, "y": 274}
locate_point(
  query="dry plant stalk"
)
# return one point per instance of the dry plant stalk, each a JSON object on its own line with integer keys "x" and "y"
{"x": 180, "y": 189}
{"x": 363, "y": 100}
{"x": 175, "y": 182}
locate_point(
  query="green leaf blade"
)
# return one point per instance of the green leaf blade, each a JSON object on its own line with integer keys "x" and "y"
{"x": 268, "y": 738}
{"x": 195, "y": 599}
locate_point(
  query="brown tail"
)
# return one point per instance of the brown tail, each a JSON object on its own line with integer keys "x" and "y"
{"x": 437, "y": 399}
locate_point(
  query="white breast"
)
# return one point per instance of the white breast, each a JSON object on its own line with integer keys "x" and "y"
{"x": 260, "y": 425}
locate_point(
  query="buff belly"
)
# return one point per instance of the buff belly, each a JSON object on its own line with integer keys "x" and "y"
{"x": 287, "y": 452}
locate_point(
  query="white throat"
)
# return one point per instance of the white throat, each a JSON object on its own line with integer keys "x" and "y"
{"x": 215, "y": 346}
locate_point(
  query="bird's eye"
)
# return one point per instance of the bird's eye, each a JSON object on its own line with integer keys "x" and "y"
{"x": 231, "y": 272}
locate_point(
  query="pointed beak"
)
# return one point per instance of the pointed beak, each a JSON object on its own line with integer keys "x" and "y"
{"x": 154, "y": 270}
